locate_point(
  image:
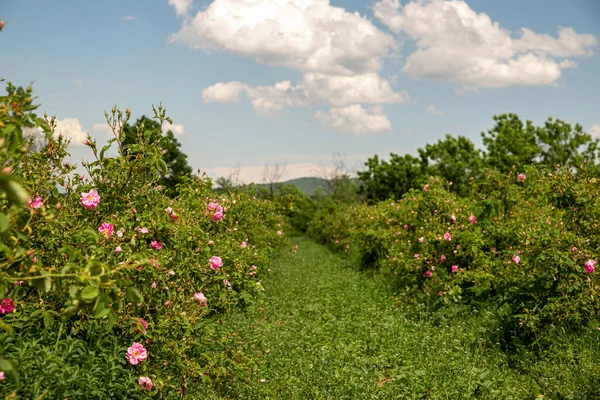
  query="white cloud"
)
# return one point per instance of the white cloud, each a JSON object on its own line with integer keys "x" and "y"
{"x": 595, "y": 131}
{"x": 454, "y": 43}
{"x": 177, "y": 129}
{"x": 78, "y": 82}
{"x": 355, "y": 119}
{"x": 433, "y": 111}
{"x": 338, "y": 53}
{"x": 306, "y": 35}
{"x": 181, "y": 6}
{"x": 223, "y": 92}
{"x": 128, "y": 18}
{"x": 314, "y": 89}
{"x": 71, "y": 129}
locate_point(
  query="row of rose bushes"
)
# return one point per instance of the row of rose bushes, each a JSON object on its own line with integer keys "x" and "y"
{"x": 525, "y": 242}
{"x": 107, "y": 248}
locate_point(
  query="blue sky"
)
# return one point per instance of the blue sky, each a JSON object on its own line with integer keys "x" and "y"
{"x": 469, "y": 61}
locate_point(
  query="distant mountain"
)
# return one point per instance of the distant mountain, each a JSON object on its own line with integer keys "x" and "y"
{"x": 307, "y": 185}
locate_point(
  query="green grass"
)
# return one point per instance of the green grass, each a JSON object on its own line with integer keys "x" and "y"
{"x": 327, "y": 331}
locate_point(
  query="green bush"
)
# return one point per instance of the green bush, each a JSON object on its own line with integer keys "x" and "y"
{"x": 99, "y": 270}
{"x": 525, "y": 252}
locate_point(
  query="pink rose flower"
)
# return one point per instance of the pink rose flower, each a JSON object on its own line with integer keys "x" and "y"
{"x": 118, "y": 249}
{"x": 216, "y": 262}
{"x": 168, "y": 210}
{"x": 454, "y": 268}
{"x": 218, "y": 215}
{"x": 212, "y": 206}
{"x": 201, "y": 299}
{"x": 279, "y": 233}
{"x": 37, "y": 203}
{"x": 405, "y": 226}
{"x": 447, "y": 236}
{"x": 443, "y": 257}
{"x": 143, "y": 230}
{"x": 516, "y": 259}
{"x": 421, "y": 239}
{"x": 90, "y": 199}
{"x": 174, "y": 216}
{"x": 146, "y": 383}
{"x": 244, "y": 245}
{"x": 167, "y": 304}
{"x": 143, "y": 323}
{"x": 226, "y": 283}
{"x": 428, "y": 274}
{"x": 1, "y": 375}
{"x": 521, "y": 177}
{"x": 425, "y": 187}
{"x": 153, "y": 285}
{"x": 6, "y": 306}
{"x": 589, "y": 268}
{"x": 472, "y": 219}
{"x": 417, "y": 255}
{"x": 136, "y": 353}
{"x": 453, "y": 218}
{"x": 106, "y": 229}
{"x": 155, "y": 245}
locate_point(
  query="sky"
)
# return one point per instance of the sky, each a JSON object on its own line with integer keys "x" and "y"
{"x": 251, "y": 82}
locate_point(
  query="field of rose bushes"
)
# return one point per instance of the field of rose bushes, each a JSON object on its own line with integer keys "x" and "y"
{"x": 524, "y": 244}
{"x": 109, "y": 288}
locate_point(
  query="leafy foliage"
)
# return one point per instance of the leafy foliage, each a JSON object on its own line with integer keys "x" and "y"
{"x": 90, "y": 268}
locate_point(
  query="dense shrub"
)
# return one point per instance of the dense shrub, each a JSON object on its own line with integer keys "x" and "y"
{"x": 522, "y": 241}
{"x": 107, "y": 256}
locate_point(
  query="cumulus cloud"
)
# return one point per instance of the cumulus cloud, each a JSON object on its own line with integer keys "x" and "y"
{"x": 181, "y": 6}
{"x": 177, "y": 129}
{"x": 456, "y": 44}
{"x": 306, "y": 35}
{"x": 313, "y": 89}
{"x": 595, "y": 131}
{"x": 355, "y": 119}
{"x": 433, "y": 111}
{"x": 71, "y": 129}
{"x": 339, "y": 53}
{"x": 128, "y": 18}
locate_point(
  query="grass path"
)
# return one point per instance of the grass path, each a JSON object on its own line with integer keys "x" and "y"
{"x": 328, "y": 332}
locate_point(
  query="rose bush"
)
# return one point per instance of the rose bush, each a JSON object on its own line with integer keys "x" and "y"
{"x": 524, "y": 242}
{"x": 102, "y": 250}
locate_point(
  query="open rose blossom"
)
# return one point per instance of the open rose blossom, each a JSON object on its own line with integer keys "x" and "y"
{"x": 216, "y": 262}
{"x": 472, "y": 219}
{"x": 143, "y": 230}
{"x": 428, "y": 274}
{"x": 106, "y": 229}
{"x": 1, "y": 372}
{"x": 155, "y": 245}
{"x": 201, "y": 299}
{"x": 212, "y": 206}
{"x": 146, "y": 383}
{"x": 136, "y": 353}
{"x": 90, "y": 199}
{"x": 521, "y": 177}
{"x": 454, "y": 269}
{"x": 37, "y": 203}
{"x": 447, "y": 236}
{"x": 218, "y": 215}
{"x": 589, "y": 268}
{"x": 244, "y": 245}
{"x": 6, "y": 306}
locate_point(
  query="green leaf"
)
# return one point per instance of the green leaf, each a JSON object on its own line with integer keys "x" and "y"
{"x": 89, "y": 294}
{"x": 4, "y": 225}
